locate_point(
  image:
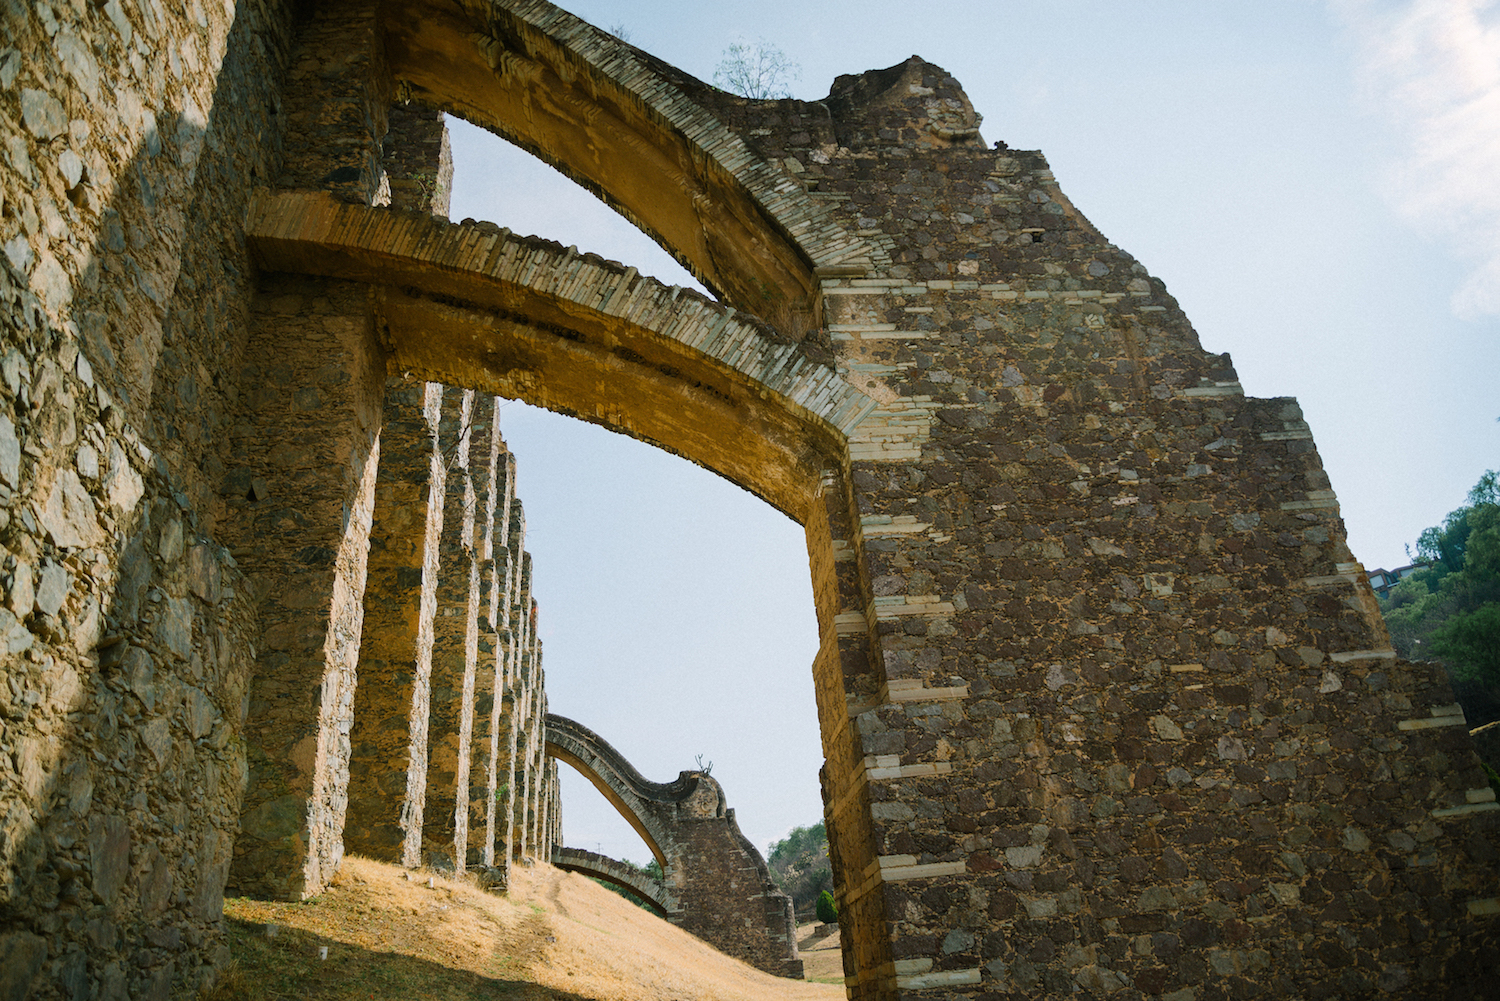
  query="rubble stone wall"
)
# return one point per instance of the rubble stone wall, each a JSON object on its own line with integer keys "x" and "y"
{"x": 132, "y": 136}
{"x": 1141, "y": 727}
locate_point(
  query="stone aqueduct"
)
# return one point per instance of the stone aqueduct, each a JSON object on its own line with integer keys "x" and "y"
{"x": 1106, "y": 703}
{"x": 714, "y": 883}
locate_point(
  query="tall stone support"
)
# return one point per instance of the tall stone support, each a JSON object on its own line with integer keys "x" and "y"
{"x": 539, "y": 795}
{"x": 337, "y": 122}
{"x": 307, "y": 446}
{"x": 485, "y": 451}
{"x": 489, "y": 703}
{"x": 554, "y": 811}
{"x": 388, "y": 771}
{"x": 455, "y": 646}
{"x": 847, "y": 678}
{"x": 389, "y": 767}
{"x": 306, "y": 452}
{"x": 418, "y": 160}
{"x": 533, "y": 728}
{"x": 520, "y": 691}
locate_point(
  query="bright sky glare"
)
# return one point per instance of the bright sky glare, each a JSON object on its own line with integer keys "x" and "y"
{"x": 1314, "y": 183}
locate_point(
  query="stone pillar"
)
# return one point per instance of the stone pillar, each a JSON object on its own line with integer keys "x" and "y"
{"x": 389, "y": 768}
{"x": 519, "y": 690}
{"x": 530, "y": 730}
{"x": 554, "y": 831}
{"x": 484, "y": 457}
{"x": 504, "y": 734}
{"x": 337, "y": 121}
{"x": 306, "y": 448}
{"x": 489, "y": 705}
{"x": 418, "y": 159}
{"x": 388, "y": 771}
{"x": 455, "y": 646}
{"x": 847, "y": 677}
{"x": 541, "y": 799}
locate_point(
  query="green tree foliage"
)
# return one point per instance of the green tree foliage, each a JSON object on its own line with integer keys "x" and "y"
{"x": 758, "y": 70}
{"x": 828, "y": 910}
{"x": 1451, "y": 610}
{"x": 799, "y": 865}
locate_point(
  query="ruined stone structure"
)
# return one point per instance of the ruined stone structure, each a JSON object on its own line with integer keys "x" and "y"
{"x": 1106, "y": 703}
{"x": 714, "y": 882}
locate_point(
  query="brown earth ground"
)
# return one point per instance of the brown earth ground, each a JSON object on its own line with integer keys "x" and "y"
{"x": 556, "y": 936}
{"x": 822, "y": 960}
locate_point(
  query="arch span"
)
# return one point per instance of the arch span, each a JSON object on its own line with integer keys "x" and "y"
{"x": 715, "y": 884}
{"x": 631, "y": 129}
{"x": 477, "y": 306}
{"x": 652, "y": 891}
{"x": 648, "y": 806}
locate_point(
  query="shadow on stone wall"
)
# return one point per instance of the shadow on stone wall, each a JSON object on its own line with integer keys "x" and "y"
{"x": 128, "y": 630}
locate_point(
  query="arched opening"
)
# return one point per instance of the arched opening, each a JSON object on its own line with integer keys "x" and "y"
{"x": 480, "y": 308}
{"x": 595, "y": 108}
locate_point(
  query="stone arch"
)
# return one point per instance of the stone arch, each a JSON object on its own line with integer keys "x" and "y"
{"x": 652, "y": 891}
{"x": 633, "y": 130}
{"x": 639, "y": 800}
{"x": 714, "y": 882}
{"x": 771, "y": 412}
{"x": 477, "y": 306}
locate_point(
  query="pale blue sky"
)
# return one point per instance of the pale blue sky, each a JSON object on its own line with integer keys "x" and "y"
{"x": 1314, "y": 182}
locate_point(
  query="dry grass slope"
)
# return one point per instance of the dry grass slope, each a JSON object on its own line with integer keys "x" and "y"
{"x": 555, "y": 936}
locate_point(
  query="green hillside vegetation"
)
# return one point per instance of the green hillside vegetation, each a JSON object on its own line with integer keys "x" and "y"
{"x": 799, "y": 865}
{"x": 1451, "y": 610}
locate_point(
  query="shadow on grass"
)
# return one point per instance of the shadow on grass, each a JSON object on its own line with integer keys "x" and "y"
{"x": 288, "y": 965}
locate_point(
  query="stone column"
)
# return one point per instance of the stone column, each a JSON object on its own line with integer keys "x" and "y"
{"x": 541, "y": 845}
{"x": 337, "y": 121}
{"x": 521, "y": 690}
{"x": 484, "y": 457}
{"x": 491, "y": 706}
{"x": 388, "y": 771}
{"x": 418, "y": 159}
{"x": 455, "y": 646}
{"x": 389, "y": 768}
{"x": 847, "y": 679}
{"x": 306, "y": 448}
{"x": 501, "y": 821}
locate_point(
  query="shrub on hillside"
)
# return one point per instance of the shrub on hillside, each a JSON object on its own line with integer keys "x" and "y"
{"x": 800, "y": 867}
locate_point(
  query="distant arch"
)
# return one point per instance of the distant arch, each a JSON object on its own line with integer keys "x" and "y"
{"x": 652, "y": 891}
{"x": 647, "y": 806}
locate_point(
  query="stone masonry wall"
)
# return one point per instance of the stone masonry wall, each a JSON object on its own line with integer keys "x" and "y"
{"x": 1141, "y": 727}
{"x": 131, "y": 136}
